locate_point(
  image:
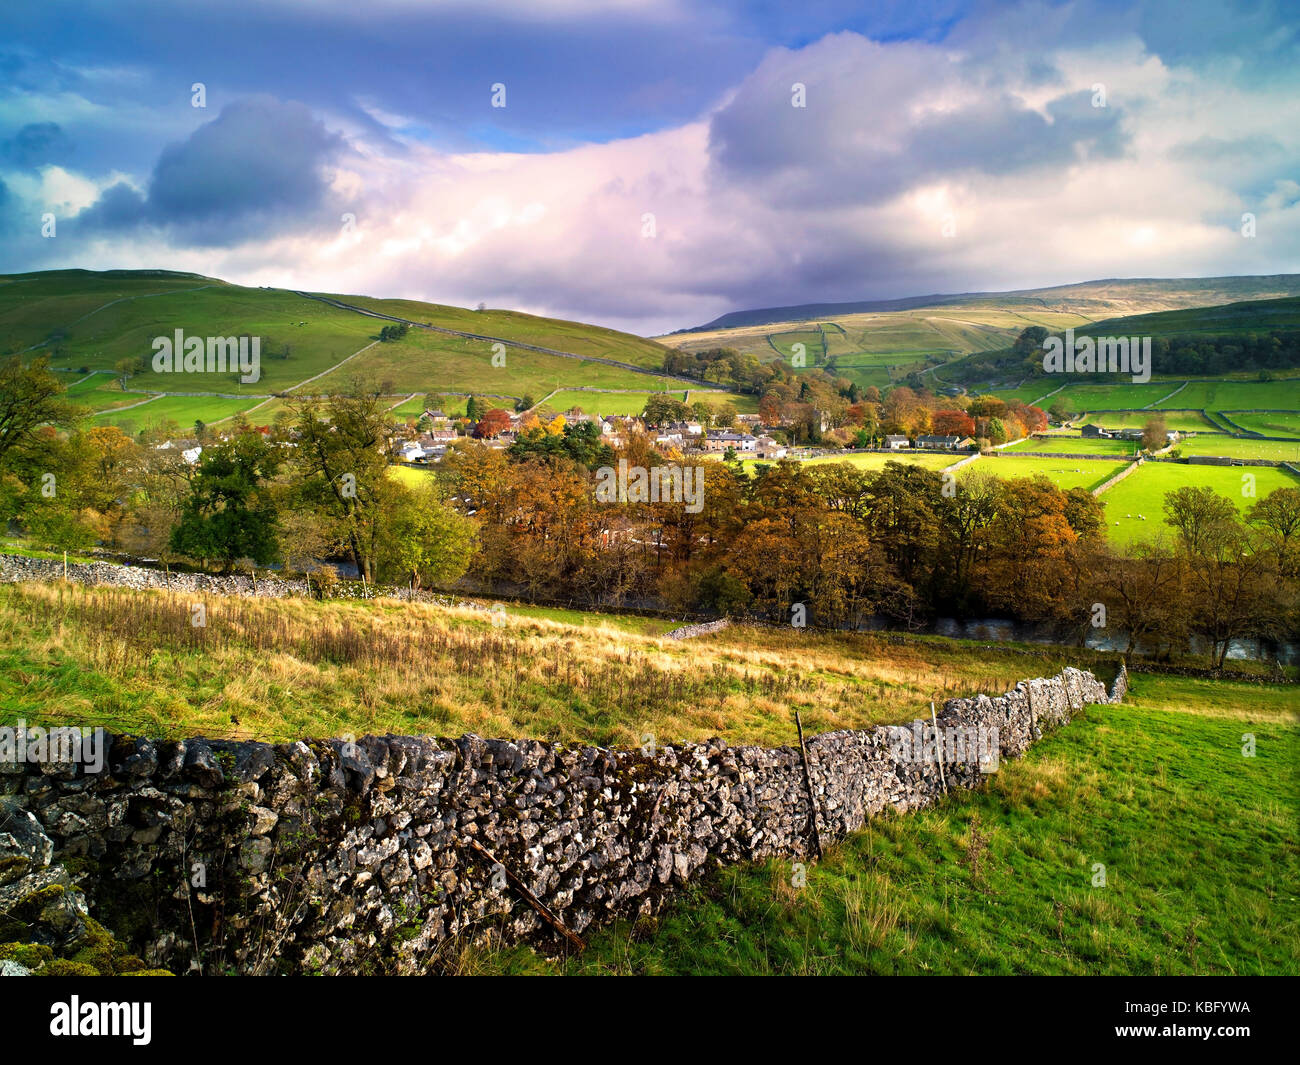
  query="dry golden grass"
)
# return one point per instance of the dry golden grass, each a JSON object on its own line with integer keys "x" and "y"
{"x": 280, "y": 669}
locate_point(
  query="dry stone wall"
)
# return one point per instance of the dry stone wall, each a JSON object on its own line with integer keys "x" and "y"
{"x": 375, "y": 856}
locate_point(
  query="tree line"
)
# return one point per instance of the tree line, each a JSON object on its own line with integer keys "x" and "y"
{"x": 845, "y": 543}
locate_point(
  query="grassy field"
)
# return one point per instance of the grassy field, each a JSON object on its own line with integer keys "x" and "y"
{"x": 1237, "y": 395}
{"x": 183, "y": 410}
{"x": 1270, "y": 423}
{"x": 284, "y": 669}
{"x": 1198, "y": 843}
{"x": 814, "y": 347}
{"x": 1064, "y": 473}
{"x": 871, "y": 349}
{"x": 604, "y": 403}
{"x": 99, "y": 392}
{"x": 1143, "y": 493}
{"x": 429, "y": 362}
{"x": 1249, "y": 315}
{"x": 1241, "y": 448}
{"x": 1073, "y": 444}
{"x": 579, "y": 338}
{"x": 874, "y": 460}
{"x": 86, "y": 319}
{"x": 1082, "y": 394}
{"x": 1181, "y": 420}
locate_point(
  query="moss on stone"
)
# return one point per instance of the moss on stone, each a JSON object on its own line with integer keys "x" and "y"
{"x": 31, "y": 955}
{"x": 63, "y": 967}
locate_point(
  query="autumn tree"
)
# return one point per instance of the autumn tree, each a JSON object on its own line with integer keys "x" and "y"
{"x": 953, "y": 423}
{"x": 1153, "y": 433}
{"x": 492, "y": 424}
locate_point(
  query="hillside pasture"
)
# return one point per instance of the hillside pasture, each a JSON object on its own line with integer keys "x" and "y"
{"x": 577, "y": 338}
{"x": 1143, "y": 494}
{"x": 1073, "y": 444}
{"x": 1237, "y": 395}
{"x": 1241, "y": 447}
{"x": 424, "y": 361}
{"x": 183, "y": 410}
{"x": 1269, "y": 423}
{"x": 1180, "y": 420}
{"x": 1064, "y": 473}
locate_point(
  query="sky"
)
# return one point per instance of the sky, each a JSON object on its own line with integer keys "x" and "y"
{"x": 650, "y": 165}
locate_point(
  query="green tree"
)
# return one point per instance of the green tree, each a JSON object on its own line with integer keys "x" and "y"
{"x": 341, "y": 463}
{"x": 230, "y": 513}
{"x": 661, "y": 408}
{"x": 427, "y": 542}
{"x": 30, "y": 399}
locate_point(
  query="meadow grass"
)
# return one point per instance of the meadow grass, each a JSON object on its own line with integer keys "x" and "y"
{"x": 424, "y": 361}
{"x": 579, "y": 338}
{"x": 605, "y": 403}
{"x": 1270, "y": 423}
{"x": 1064, "y": 473}
{"x": 1239, "y": 395}
{"x": 280, "y": 669}
{"x": 105, "y": 317}
{"x": 1074, "y": 444}
{"x": 1241, "y": 448}
{"x": 1197, "y": 841}
{"x": 1181, "y": 420}
{"x": 1143, "y": 493}
{"x": 183, "y": 410}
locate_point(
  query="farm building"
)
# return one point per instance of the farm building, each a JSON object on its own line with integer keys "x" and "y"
{"x": 939, "y": 442}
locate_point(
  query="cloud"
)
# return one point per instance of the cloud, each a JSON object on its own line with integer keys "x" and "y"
{"x": 36, "y": 143}
{"x": 261, "y": 167}
{"x": 874, "y": 119}
{"x": 974, "y": 160}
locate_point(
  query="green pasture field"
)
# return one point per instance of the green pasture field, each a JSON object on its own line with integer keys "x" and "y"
{"x": 1075, "y": 445}
{"x": 183, "y": 410}
{"x": 577, "y": 338}
{"x": 424, "y": 361}
{"x": 811, "y": 339}
{"x": 1241, "y": 448}
{"x": 100, "y": 392}
{"x": 1143, "y": 494}
{"x": 1181, "y": 420}
{"x": 127, "y": 317}
{"x": 1198, "y": 844}
{"x": 605, "y": 403}
{"x": 1064, "y": 473}
{"x": 1237, "y": 395}
{"x": 1270, "y": 423}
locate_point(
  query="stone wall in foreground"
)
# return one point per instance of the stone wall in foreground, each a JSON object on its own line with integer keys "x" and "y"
{"x": 377, "y": 855}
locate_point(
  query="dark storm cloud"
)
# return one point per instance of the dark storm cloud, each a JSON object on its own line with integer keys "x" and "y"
{"x": 259, "y": 168}
{"x": 35, "y": 144}
{"x": 872, "y": 128}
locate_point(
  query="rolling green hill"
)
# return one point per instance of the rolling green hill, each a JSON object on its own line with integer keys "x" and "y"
{"x": 1091, "y": 299}
{"x": 87, "y": 322}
